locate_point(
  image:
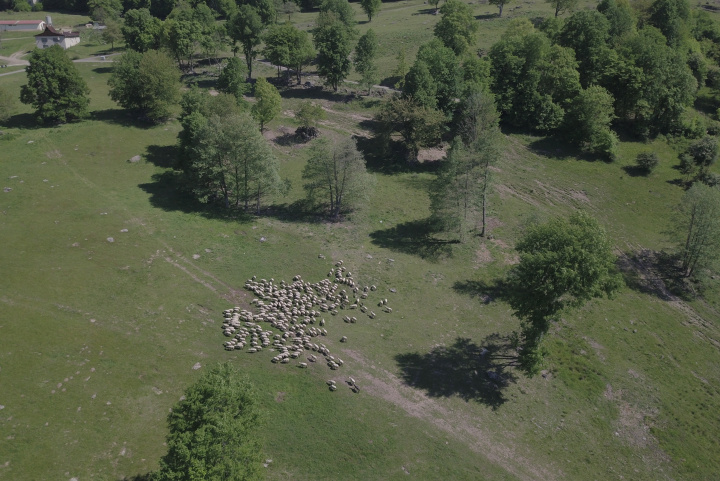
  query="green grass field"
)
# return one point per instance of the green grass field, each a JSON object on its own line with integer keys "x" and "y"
{"x": 98, "y": 339}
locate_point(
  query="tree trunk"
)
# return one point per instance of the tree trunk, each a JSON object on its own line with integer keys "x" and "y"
{"x": 501, "y": 8}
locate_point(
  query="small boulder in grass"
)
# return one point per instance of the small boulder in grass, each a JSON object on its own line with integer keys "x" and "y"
{"x": 134, "y": 158}
{"x": 110, "y": 239}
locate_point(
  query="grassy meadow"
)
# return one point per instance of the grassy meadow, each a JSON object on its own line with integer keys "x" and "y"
{"x": 113, "y": 284}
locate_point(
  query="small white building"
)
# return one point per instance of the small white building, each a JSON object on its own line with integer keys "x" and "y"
{"x": 21, "y": 25}
{"x": 52, "y": 37}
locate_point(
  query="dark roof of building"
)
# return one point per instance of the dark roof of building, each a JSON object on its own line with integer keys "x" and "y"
{"x": 51, "y": 32}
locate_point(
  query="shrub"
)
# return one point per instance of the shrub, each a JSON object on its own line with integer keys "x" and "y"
{"x": 38, "y": 7}
{"x": 21, "y": 6}
{"x": 647, "y": 161}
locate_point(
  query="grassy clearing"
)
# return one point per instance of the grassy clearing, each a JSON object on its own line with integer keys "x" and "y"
{"x": 100, "y": 338}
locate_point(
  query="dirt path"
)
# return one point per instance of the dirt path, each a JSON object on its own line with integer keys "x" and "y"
{"x": 501, "y": 452}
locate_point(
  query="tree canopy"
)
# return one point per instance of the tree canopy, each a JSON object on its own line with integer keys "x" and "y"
{"x": 697, "y": 228}
{"x": 334, "y": 44}
{"x": 213, "y": 430}
{"x": 563, "y": 264}
{"x": 232, "y": 79}
{"x": 457, "y": 28}
{"x": 54, "y": 87}
{"x": 267, "y": 102}
{"x": 246, "y": 27}
{"x": 364, "y": 58}
{"x": 337, "y": 173}
{"x": 371, "y": 8}
{"x": 148, "y": 82}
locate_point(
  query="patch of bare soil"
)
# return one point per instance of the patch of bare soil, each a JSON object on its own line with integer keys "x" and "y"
{"x": 280, "y": 396}
{"x": 53, "y": 154}
{"x": 431, "y": 155}
{"x": 502, "y": 452}
{"x": 482, "y": 256}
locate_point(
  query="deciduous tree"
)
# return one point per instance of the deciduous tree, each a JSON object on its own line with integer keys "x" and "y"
{"x": 337, "y": 172}
{"x": 371, "y": 8}
{"x": 213, "y": 430}
{"x": 364, "y": 59}
{"x": 587, "y": 122}
{"x": 246, "y": 27}
{"x": 563, "y": 264}
{"x": 417, "y": 125}
{"x": 697, "y": 228}
{"x": 562, "y": 6}
{"x": 334, "y": 44}
{"x": 232, "y": 79}
{"x": 500, "y": 4}
{"x": 233, "y": 161}
{"x": 147, "y": 82}
{"x": 141, "y": 30}
{"x": 268, "y": 102}
{"x": 54, "y": 87}
{"x": 287, "y": 46}
{"x": 342, "y": 11}
{"x": 112, "y": 33}
{"x": 457, "y": 28}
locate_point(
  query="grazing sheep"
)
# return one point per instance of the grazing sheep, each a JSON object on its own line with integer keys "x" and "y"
{"x": 343, "y": 339}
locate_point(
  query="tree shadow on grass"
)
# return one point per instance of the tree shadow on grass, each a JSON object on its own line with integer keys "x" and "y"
{"x": 162, "y": 155}
{"x": 388, "y": 158}
{"x": 486, "y": 292}
{"x": 139, "y": 477}
{"x": 635, "y": 171}
{"x": 124, "y": 117}
{"x": 654, "y": 273}
{"x": 299, "y": 211}
{"x": 473, "y": 372}
{"x": 166, "y": 194}
{"x": 23, "y": 121}
{"x": 554, "y": 148}
{"x": 103, "y": 70}
{"x": 414, "y": 237}
{"x": 487, "y": 16}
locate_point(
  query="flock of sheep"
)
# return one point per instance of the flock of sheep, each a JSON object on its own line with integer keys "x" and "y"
{"x": 296, "y": 313}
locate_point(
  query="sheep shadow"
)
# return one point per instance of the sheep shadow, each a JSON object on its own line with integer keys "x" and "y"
{"x": 414, "y": 237}
{"x": 470, "y": 371}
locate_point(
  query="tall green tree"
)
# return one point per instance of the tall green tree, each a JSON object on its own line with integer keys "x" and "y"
{"x": 112, "y": 33}
{"x": 500, "y": 4}
{"x": 533, "y": 80}
{"x": 147, "y": 82}
{"x": 268, "y": 102}
{"x": 588, "y": 33}
{"x": 141, "y": 30}
{"x": 459, "y": 195}
{"x": 562, "y": 6}
{"x": 342, "y": 10}
{"x": 183, "y": 39}
{"x": 337, "y": 173}
{"x": 563, "y": 264}
{"x": 697, "y": 228}
{"x": 246, "y": 27}
{"x": 418, "y": 126}
{"x": 289, "y": 47}
{"x": 334, "y": 44}
{"x": 371, "y": 8}
{"x": 587, "y": 122}
{"x": 672, "y": 17}
{"x": 621, "y": 17}
{"x": 232, "y": 161}
{"x": 457, "y": 28}
{"x": 213, "y": 430}
{"x": 364, "y": 59}
{"x": 54, "y": 87}
{"x": 444, "y": 67}
{"x": 232, "y": 79}
{"x": 420, "y": 86}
